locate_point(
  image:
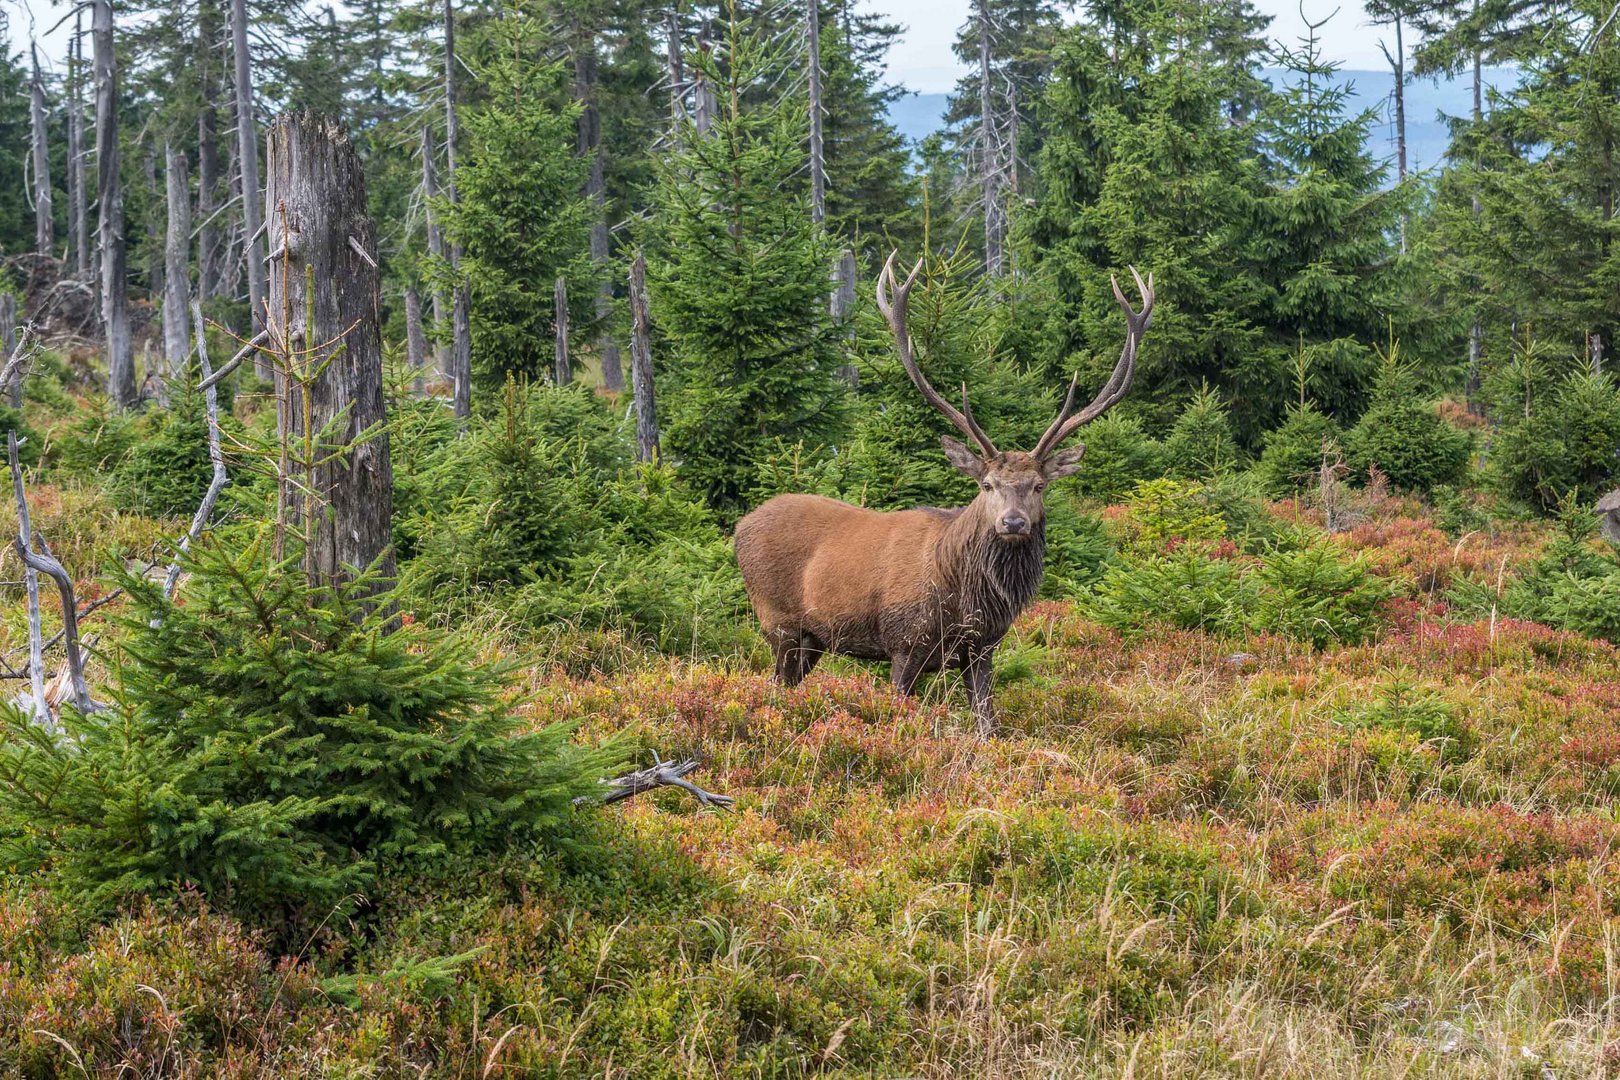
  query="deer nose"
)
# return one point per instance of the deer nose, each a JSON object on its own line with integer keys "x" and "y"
{"x": 1015, "y": 525}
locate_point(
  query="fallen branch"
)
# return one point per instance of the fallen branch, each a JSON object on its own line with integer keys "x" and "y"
{"x": 660, "y": 774}
{"x": 12, "y": 372}
{"x": 205, "y": 510}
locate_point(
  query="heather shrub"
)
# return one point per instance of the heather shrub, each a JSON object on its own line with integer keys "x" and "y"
{"x": 278, "y": 745}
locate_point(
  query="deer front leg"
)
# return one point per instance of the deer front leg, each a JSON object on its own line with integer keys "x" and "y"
{"x": 905, "y": 669}
{"x": 978, "y": 673}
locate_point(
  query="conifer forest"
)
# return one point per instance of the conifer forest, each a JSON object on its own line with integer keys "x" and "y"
{"x": 556, "y": 538}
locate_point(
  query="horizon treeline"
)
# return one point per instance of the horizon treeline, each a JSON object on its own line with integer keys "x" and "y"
{"x": 520, "y": 155}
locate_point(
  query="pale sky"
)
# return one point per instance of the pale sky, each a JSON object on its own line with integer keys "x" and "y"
{"x": 922, "y": 60}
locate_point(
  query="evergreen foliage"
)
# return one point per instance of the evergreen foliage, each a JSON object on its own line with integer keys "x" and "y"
{"x": 738, "y": 277}
{"x": 278, "y": 746}
{"x": 1403, "y": 437}
{"x": 520, "y": 216}
{"x": 1293, "y": 451}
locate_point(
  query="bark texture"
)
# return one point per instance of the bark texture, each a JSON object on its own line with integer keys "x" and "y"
{"x": 563, "y": 370}
{"x": 44, "y": 210}
{"x": 110, "y": 220}
{"x": 461, "y": 315}
{"x": 247, "y": 160}
{"x": 177, "y": 270}
{"x": 342, "y": 493}
{"x": 641, "y": 367}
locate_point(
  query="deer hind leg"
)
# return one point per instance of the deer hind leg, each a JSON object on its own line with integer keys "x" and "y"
{"x": 795, "y": 654}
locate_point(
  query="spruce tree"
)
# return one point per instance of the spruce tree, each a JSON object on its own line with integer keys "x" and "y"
{"x": 738, "y": 279}
{"x": 520, "y": 219}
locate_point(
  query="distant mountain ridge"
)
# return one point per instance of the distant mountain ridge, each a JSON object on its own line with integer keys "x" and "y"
{"x": 919, "y": 115}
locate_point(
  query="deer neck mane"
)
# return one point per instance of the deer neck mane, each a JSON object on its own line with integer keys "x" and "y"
{"x": 992, "y": 580}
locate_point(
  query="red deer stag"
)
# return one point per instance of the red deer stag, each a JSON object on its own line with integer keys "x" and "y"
{"x": 926, "y": 588}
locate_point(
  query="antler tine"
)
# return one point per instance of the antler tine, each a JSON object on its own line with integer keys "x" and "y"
{"x": 1136, "y": 324}
{"x": 891, "y": 301}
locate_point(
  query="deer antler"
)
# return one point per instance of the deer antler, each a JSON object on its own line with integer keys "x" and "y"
{"x": 1136, "y": 324}
{"x": 891, "y": 300}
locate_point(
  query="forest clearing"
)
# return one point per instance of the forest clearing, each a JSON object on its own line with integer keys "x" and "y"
{"x": 547, "y": 539}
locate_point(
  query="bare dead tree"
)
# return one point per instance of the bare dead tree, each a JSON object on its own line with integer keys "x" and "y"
{"x": 641, "y": 366}
{"x": 676, "y": 72}
{"x": 210, "y": 281}
{"x": 415, "y": 338}
{"x": 247, "y": 163}
{"x": 216, "y": 455}
{"x": 177, "y": 269}
{"x": 78, "y": 197}
{"x": 461, "y": 316}
{"x": 562, "y": 370}
{"x": 842, "y": 306}
{"x": 324, "y": 332}
{"x": 151, "y": 245}
{"x": 435, "y": 243}
{"x": 991, "y": 175}
{"x": 818, "y": 157}
{"x": 8, "y": 345}
{"x": 110, "y": 218}
{"x": 44, "y": 221}
{"x": 703, "y": 101}
{"x": 590, "y": 148}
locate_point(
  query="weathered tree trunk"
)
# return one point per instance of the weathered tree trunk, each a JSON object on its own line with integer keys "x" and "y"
{"x": 989, "y": 152}
{"x": 341, "y": 488}
{"x": 176, "y": 252}
{"x": 677, "y": 72}
{"x": 209, "y": 253}
{"x": 842, "y": 307}
{"x": 77, "y": 190}
{"x": 110, "y": 219}
{"x": 1398, "y": 63}
{"x": 1476, "y": 349}
{"x": 461, "y": 316}
{"x": 703, "y": 103}
{"x": 44, "y": 220}
{"x": 8, "y": 341}
{"x": 415, "y": 339}
{"x": 152, "y": 247}
{"x": 247, "y": 159}
{"x": 641, "y": 367}
{"x": 818, "y": 160}
{"x": 435, "y": 243}
{"x": 563, "y": 371}
{"x": 590, "y": 147}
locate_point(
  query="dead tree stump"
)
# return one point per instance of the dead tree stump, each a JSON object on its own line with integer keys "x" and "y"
{"x": 327, "y": 348}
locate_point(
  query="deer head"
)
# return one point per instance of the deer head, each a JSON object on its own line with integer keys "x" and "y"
{"x": 1012, "y": 484}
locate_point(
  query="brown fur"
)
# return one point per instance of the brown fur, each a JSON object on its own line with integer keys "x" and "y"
{"x": 924, "y": 588}
{"x": 928, "y": 588}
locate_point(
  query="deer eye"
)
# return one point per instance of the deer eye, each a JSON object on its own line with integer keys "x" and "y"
{"x": 984, "y": 485}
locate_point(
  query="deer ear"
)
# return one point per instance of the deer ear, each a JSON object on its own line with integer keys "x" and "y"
{"x": 962, "y": 459}
{"x": 1064, "y": 462}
